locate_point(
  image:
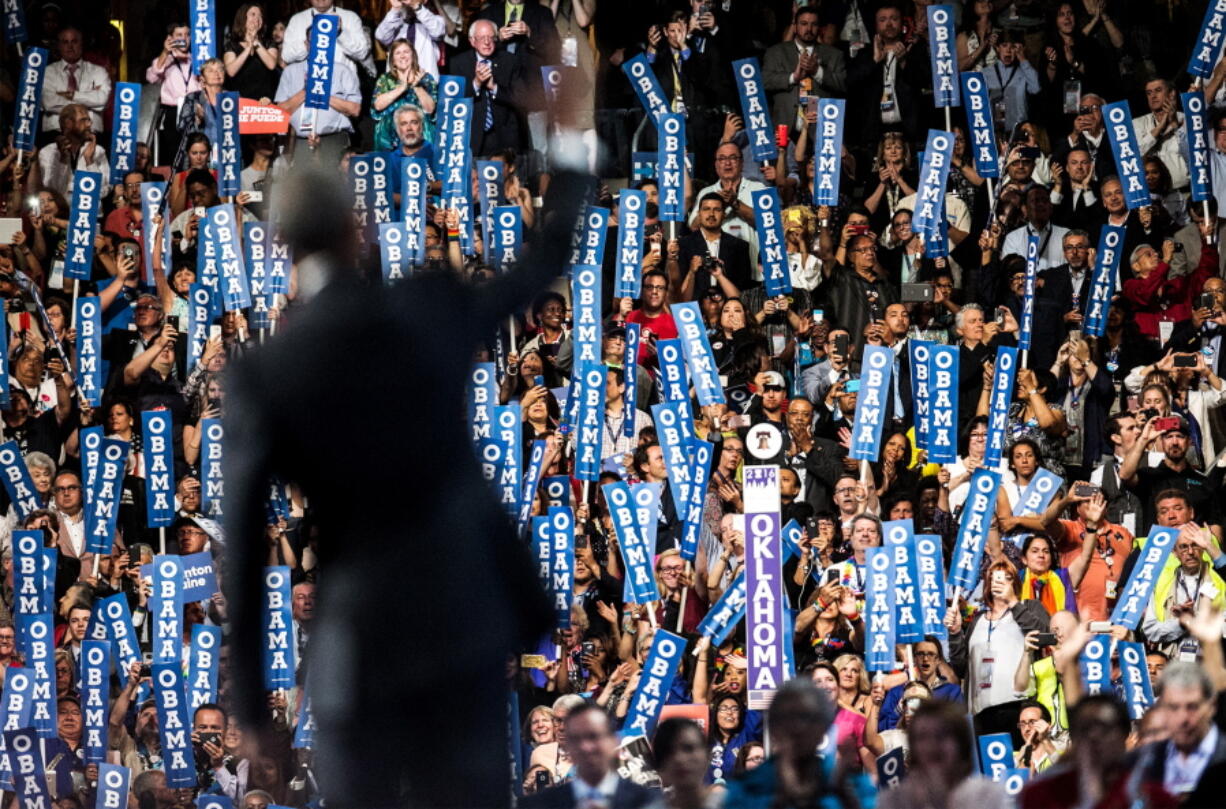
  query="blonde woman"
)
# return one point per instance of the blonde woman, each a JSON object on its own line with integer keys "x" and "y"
{"x": 853, "y": 683}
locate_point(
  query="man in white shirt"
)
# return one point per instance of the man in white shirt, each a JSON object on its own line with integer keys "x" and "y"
{"x": 738, "y": 200}
{"x": 74, "y": 149}
{"x": 1037, "y": 209}
{"x": 1160, "y": 131}
{"x": 72, "y": 80}
{"x": 1194, "y": 768}
{"x": 413, "y": 20}
{"x": 351, "y": 42}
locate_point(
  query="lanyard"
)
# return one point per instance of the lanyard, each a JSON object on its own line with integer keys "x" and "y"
{"x": 1183, "y": 587}
{"x": 1004, "y": 85}
{"x": 1046, "y": 239}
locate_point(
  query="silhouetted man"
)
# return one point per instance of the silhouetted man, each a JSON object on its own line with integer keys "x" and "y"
{"x": 426, "y": 594}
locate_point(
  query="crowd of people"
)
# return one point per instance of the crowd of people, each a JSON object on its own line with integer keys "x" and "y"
{"x": 1128, "y": 418}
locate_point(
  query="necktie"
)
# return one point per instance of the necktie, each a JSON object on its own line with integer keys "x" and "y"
{"x": 1077, "y": 201}
{"x": 72, "y": 78}
{"x": 489, "y": 104}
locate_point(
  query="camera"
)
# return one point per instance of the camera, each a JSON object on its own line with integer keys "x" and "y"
{"x": 145, "y": 671}
{"x": 1045, "y": 639}
{"x": 709, "y": 263}
{"x": 1206, "y": 300}
{"x": 542, "y": 779}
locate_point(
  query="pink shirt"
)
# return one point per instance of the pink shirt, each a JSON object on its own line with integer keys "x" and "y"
{"x": 176, "y": 78}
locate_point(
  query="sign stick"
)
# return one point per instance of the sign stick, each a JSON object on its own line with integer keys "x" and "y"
{"x": 685, "y": 591}
{"x": 991, "y": 193}
{"x": 864, "y": 470}
{"x": 910, "y": 653}
{"x": 1024, "y": 352}
{"x": 511, "y": 326}
{"x": 672, "y": 230}
{"x": 97, "y": 559}
{"x": 162, "y": 540}
{"x": 651, "y": 614}
{"x": 76, "y": 291}
{"x": 948, "y": 124}
{"x": 1204, "y": 213}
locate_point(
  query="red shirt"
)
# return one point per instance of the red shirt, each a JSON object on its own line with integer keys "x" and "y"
{"x": 662, "y": 326}
{"x": 1158, "y": 297}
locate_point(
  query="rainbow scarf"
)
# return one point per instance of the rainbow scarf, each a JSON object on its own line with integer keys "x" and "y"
{"x": 1052, "y": 589}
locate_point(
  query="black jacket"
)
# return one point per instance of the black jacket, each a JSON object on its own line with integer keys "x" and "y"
{"x": 505, "y": 131}
{"x": 629, "y": 795}
{"x": 733, "y": 251}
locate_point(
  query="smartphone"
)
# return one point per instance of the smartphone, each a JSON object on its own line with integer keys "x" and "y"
{"x": 1000, "y": 316}
{"x": 1184, "y": 360}
{"x": 1085, "y": 490}
{"x": 255, "y": 196}
{"x": 859, "y": 230}
{"x": 542, "y": 780}
{"x": 532, "y": 661}
{"x": 1074, "y": 334}
{"x": 1166, "y": 423}
{"x": 916, "y": 292}
{"x": 1206, "y": 300}
{"x": 127, "y": 250}
{"x": 1045, "y": 639}
{"x": 1100, "y": 627}
{"x": 36, "y": 205}
{"x": 199, "y": 211}
{"x": 1029, "y": 152}
{"x": 173, "y": 320}
{"x": 588, "y": 648}
{"x": 818, "y": 315}
{"x": 832, "y": 575}
{"x": 851, "y": 386}
{"x": 840, "y": 345}
{"x": 214, "y": 331}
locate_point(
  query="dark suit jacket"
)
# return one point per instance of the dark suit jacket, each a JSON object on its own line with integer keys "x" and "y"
{"x": 868, "y": 78}
{"x": 629, "y": 795}
{"x": 778, "y": 65}
{"x": 1085, "y": 217}
{"x": 1208, "y": 791}
{"x": 703, "y": 79}
{"x": 506, "y": 131}
{"x": 1057, "y": 291}
{"x": 733, "y": 251}
{"x": 542, "y": 45}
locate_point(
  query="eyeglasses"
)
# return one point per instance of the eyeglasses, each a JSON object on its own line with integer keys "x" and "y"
{"x": 671, "y": 568}
{"x": 925, "y": 654}
{"x": 735, "y": 450}
{"x": 865, "y": 249}
{"x": 846, "y": 490}
{"x": 65, "y": 489}
{"x": 1088, "y": 109}
{"x": 157, "y": 307}
{"x": 1076, "y": 247}
{"x": 729, "y": 158}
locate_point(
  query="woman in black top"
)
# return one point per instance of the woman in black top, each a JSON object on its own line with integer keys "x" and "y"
{"x": 251, "y": 56}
